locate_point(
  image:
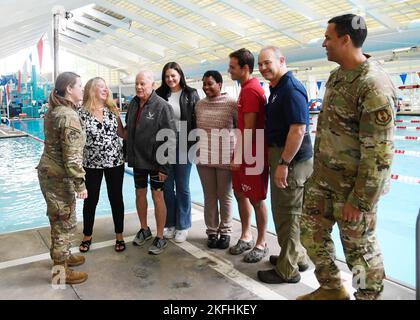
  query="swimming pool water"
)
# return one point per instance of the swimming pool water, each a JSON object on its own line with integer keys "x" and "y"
{"x": 22, "y": 205}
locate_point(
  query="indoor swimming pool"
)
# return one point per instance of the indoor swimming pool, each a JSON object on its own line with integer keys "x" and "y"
{"x": 22, "y": 205}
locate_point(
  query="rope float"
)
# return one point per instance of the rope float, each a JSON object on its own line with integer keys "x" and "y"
{"x": 406, "y": 138}
{"x": 395, "y": 137}
{"x": 405, "y": 179}
{"x": 408, "y": 153}
{"x": 407, "y": 121}
{"x": 407, "y": 128}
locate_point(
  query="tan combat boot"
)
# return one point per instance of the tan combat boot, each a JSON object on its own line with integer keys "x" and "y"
{"x": 70, "y": 276}
{"x": 74, "y": 261}
{"x": 326, "y": 294}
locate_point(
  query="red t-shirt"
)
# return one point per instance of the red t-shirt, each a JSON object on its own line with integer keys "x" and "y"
{"x": 252, "y": 100}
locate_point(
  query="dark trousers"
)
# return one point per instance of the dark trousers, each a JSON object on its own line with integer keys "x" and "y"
{"x": 114, "y": 183}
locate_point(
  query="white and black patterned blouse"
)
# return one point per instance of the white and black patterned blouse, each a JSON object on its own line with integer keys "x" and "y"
{"x": 103, "y": 147}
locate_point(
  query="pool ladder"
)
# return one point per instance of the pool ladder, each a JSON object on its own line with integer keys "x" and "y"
{"x": 418, "y": 257}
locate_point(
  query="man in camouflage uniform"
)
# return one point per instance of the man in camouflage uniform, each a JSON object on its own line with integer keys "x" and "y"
{"x": 352, "y": 160}
{"x": 61, "y": 176}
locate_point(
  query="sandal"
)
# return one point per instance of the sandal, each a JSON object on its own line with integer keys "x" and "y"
{"x": 119, "y": 245}
{"x": 256, "y": 254}
{"x": 85, "y": 245}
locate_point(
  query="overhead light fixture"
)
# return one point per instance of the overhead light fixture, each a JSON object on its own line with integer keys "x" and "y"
{"x": 258, "y": 20}
{"x": 213, "y": 23}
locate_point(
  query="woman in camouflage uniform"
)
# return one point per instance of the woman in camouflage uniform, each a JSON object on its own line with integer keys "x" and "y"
{"x": 61, "y": 175}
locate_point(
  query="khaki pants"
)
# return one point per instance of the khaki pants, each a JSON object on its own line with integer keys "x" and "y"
{"x": 286, "y": 205}
{"x": 217, "y": 188}
{"x": 61, "y": 210}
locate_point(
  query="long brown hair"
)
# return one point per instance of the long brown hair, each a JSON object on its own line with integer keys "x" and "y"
{"x": 57, "y": 95}
{"x": 164, "y": 89}
{"x": 89, "y": 97}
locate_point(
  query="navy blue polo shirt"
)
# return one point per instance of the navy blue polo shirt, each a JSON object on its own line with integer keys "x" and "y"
{"x": 287, "y": 105}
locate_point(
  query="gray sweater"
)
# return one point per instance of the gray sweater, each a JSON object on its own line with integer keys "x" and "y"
{"x": 157, "y": 114}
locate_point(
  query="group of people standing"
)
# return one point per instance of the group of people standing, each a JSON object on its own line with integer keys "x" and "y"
{"x": 340, "y": 180}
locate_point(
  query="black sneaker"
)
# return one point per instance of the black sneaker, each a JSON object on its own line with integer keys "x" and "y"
{"x": 212, "y": 241}
{"x": 223, "y": 242}
{"x": 158, "y": 246}
{"x": 142, "y": 236}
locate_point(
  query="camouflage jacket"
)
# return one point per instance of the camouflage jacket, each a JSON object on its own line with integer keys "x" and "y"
{"x": 354, "y": 141}
{"x": 63, "y": 146}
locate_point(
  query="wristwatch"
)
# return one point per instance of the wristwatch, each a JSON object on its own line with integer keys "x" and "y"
{"x": 284, "y": 162}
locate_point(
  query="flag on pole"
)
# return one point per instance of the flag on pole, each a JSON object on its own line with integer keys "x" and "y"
{"x": 40, "y": 47}
{"x": 19, "y": 81}
{"x": 7, "y": 94}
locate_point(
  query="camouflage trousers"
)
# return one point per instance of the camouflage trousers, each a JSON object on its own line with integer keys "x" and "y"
{"x": 61, "y": 210}
{"x": 322, "y": 209}
{"x": 286, "y": 206}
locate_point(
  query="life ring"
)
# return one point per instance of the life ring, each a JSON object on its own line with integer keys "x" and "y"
{"x": 5, "y": 120}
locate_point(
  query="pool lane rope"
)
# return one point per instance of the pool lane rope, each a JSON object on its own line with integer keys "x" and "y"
{"x": 404, "y": 179}
{"x": 397, "y": 120}
{"x": 395, "y": 137}
{"x": 408, "y": 153}
{"x": 407, "y": 121}
{"x": 407, "y": 128}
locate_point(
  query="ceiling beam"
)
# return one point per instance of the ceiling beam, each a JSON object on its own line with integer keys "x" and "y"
{"x": 178, "y": 36}
{"x": 20, "y": 15}
{"x": 18, "y": 26}
{"x": 382, "y": 18}
{"x": 123, "y": 44}
{"x": 146, "y": 44}
{"x": 211, "y": 17}
{"x": 87, "y": 54}
{"x": 26, "y": 13}
{"x": 191, "y": 27}
{"x": 118, "y": 50}
{"x": 10, "y": 39}
{"x": 301, "y": 8}
{"x": 254, "y": 14}
{"x": 102, "y": 52}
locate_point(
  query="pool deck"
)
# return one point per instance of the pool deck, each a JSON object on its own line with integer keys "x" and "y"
{"x": 186, "y": 271}
{"x": 7, "y": 132}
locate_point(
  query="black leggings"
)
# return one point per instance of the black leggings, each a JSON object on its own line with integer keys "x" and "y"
{"x": 114, "y": 184}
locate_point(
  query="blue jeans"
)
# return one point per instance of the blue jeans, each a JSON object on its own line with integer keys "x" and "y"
{"x": 178, "y": 203}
